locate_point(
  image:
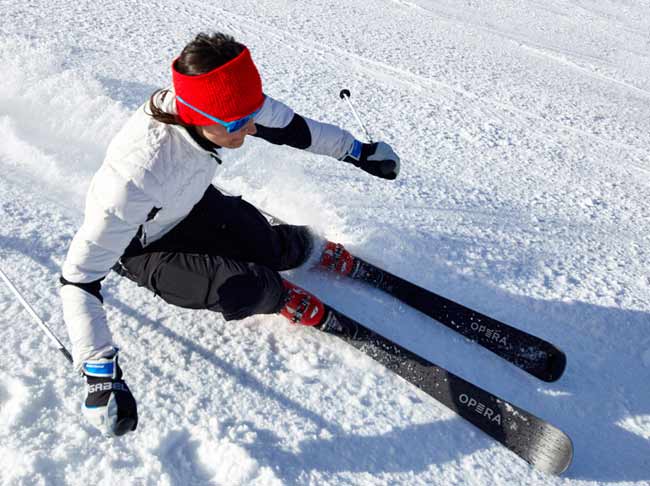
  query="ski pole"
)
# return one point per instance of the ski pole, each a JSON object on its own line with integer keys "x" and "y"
{"x": 345, "y": 95}
{"x": 38, "y": 320}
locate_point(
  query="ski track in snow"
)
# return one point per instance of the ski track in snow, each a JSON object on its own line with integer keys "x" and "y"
{"x": 525, "y": 142}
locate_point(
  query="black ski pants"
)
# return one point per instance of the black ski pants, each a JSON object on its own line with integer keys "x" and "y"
{"x": 224, "y": 256}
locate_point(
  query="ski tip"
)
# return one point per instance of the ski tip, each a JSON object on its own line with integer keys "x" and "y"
{"x": 553, "y": 451}
{"x": 555, "y": 366}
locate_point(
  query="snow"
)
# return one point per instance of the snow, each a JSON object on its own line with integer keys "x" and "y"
{"x": 524, "y": 132}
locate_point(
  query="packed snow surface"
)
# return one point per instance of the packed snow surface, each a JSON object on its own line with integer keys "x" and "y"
{"x": 524, "y": 132}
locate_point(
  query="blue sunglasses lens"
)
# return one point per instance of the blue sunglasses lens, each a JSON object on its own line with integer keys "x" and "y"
{"x": 232, "y": 126}
{"x": 238, "y": 124}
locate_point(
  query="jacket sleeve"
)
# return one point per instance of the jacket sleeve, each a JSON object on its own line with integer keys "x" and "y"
{"x": 115, "y": 208}
{"x": 278, "y": 124}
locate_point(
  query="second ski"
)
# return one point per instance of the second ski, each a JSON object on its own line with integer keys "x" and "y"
{"x": 539, "y": 443}
{"x": 526, "y": 351}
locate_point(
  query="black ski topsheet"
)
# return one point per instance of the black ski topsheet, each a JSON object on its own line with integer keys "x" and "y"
{"x": 539, "y": 443}
{"x": 530, "y": 353}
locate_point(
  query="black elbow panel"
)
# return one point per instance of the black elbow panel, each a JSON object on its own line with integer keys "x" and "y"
{"x": 296, "y": 134}
{"x": 93, "y": 288}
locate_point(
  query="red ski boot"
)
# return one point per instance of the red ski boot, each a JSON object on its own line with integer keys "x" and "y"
{"x": 301, "y": 307}
{"x": 336, "y": 258}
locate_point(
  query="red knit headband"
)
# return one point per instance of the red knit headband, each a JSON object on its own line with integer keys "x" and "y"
{"x": 228, "y": 92}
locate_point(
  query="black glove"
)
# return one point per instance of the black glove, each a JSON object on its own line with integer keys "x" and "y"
{"x": 109, "y": 405}
{"x": 375, "y": 158}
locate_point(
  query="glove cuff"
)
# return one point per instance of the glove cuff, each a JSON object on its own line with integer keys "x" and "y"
{"x": 102, "y": 368}
{"x": 354, "y": 153}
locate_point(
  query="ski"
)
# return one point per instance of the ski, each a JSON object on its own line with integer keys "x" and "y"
{"x": 526, "y": 351}
{"x": 539, "y": 443}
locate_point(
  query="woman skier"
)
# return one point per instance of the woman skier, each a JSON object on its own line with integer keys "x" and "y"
{"x": 153, "y": 216}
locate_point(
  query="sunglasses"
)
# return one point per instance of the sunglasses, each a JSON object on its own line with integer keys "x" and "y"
{"x": 231, "y": 126}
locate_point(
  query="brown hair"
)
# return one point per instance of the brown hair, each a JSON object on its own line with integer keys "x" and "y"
{"x": 203, "y": 54}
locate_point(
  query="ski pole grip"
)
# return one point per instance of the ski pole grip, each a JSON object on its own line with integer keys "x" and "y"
{"x": 345, "y": 93}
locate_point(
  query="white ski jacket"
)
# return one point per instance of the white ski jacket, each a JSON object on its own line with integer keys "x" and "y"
{"x": 153, "y": 168}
